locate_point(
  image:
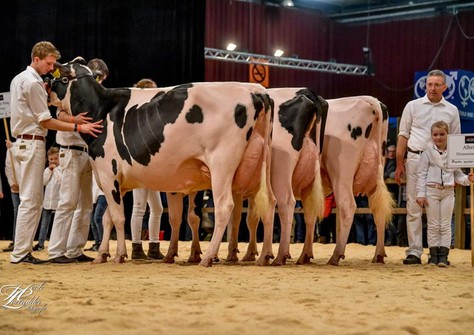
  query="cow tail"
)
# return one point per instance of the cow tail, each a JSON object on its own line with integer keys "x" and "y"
{"x": 316, "y": 196}
{"x": 381, "y": 201}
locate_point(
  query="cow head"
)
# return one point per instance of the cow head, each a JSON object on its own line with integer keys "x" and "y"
{"x": 66, "y": 76}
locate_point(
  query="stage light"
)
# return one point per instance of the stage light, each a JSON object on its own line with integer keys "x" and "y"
{"x": 231, "y": 46}
{"x": 287, "y": 3}
{"x": 278, "y": 53}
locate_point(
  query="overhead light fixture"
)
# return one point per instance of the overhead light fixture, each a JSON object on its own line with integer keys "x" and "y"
{"x": 231, "y": 46}
{"x": 278, "y": 53}
{"x": 287, "y": 3}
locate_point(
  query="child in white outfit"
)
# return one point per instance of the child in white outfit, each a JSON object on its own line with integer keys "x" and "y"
{"x": 435, "y": 192}
{"x": 52, "y": 176}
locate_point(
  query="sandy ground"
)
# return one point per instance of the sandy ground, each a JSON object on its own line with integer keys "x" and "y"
{"x": 357, "y": 297}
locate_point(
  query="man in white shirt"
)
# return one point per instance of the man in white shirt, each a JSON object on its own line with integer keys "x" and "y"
{"x": 30, "y": 121}
{"x": 414, "y": 133}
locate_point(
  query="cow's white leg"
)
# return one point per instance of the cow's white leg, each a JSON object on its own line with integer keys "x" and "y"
{"x": 224, "y": 204}
{"x": 103, "y": 252}
{"x": 233, "y": 248}
{"x": 346, "y": 216}
{"x": 310, "y": 217}
{"x": 267, "y": 249}
{"x": 193, "y": 221}
{"x": 286, "y": 211}
{"x": 175, "y": 210}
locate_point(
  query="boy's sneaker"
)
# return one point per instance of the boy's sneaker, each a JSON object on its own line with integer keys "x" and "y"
{"x": 38, "y": 247}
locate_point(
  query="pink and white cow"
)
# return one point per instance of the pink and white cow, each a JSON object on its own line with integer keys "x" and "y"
{"x": 297, "y": 127}
{"x": 300, "y": 117}
{"x": 352, "y": 161}
{"x": 181, "y": 139}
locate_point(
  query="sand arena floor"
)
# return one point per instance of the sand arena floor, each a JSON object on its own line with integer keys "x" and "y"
{"x": 357, "y": 297}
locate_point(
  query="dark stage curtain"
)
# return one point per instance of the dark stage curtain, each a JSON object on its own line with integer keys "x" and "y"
{"x": 158, "y": 39}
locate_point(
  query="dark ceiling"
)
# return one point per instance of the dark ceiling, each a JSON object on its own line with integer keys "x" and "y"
{"x": 363, "y": 11}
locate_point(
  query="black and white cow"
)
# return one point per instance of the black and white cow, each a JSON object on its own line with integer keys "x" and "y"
{"x": 179, "y": 139}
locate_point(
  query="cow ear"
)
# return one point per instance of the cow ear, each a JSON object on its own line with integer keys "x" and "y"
{"x": 79, "y": 60}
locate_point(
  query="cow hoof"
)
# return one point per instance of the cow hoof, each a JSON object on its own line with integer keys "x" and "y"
{"x": 120, "y": 259}
{"x": 334, "y": 260}
{"x": 264, "y": 261}
{"x": 249, "y": 257}
{"x": 168, "y": 259}
{"x": 207, "y": 263}
{"x": 378, "y": 259}
{"x": 232, "y": 258}
{"x": 304, "y": 259}
{"x": 194, "y": 259}
{"x": 101, "y": 258}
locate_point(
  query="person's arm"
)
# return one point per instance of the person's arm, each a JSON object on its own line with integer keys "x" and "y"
{"x": 87, "y": 128}
{"x": 422, "y": 174}
{"x": 401, "y": 150}
{"x": 80, "y": 118}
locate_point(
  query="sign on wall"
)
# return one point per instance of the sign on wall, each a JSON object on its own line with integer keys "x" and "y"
{"x": 460, "y": 90}
{"x": 259, "y": 73}
{"x": 4, "y": 105}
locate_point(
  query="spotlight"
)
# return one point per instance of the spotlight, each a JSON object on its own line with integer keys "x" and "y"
{"x": 231, "y": 46}
{"x": 287, "y": 3}
{"x": 278, "y": 53}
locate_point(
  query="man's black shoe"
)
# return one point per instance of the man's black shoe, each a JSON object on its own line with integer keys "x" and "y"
{"x": 9, "y": 248}
{"x": 62, "y": 260}
{"x": 29, "y": 258}
{"x": 411, "y": 259}
{"x": 83, "y": 258}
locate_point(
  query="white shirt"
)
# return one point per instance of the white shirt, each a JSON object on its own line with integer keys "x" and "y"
{"x": 70, "y": 138}
{"x": 430, "y": 173}
{"x": 29, "y": 104}
{"x": 420, "y": 114}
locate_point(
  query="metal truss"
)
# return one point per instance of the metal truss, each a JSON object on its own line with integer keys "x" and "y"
{"x": 284, "y": 62}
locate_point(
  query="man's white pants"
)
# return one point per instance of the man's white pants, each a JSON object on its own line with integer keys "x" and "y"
{"x": 32, "y": 156}
{"x": 414, "y": 211}
{"x": 76, "y": 192}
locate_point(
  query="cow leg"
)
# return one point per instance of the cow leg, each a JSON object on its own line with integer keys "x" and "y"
{"x": 116, "y": 211}
{"x": 310, "y": 217}
{"x": 193, "y": 221}
{"x": 103, "y": 253}
{"x": 252, "y": 223}
{"x": 346, "y": 216}
{"x": 233, "y": 248}
{"x": 222, "y": 192}
{"x": 175, "y": 210}
{"x": 381, "y": 204}
{"x": 286, "y": 211}
{"x": 267, "y": 248}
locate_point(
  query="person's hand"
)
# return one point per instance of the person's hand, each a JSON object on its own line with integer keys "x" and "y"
{"x": 422, "y": 202}
{"x": 81, "y": 118}
{"x": 471, "y": 177}
{"x": 91, "y": 128}
{"x": 15, "y": 188}
{"x": 399, "y": 173}
{"x": 1, "y": 195}
{"x": 8, "y": 144}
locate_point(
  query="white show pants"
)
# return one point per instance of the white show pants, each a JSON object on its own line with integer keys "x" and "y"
{"x": 141, "y": 197}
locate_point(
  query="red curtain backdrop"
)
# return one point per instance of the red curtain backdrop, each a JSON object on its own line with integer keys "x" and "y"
{"x": 399, "y": 49}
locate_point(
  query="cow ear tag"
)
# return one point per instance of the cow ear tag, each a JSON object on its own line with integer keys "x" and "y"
{"x": 97, "y": 78}
{"x": 56, "y": 74}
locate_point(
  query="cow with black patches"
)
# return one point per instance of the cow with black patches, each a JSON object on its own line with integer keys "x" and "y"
{"x": 295, "y": 173}
{"x": 180, "y": 139}
{"x": 352, "y": 163}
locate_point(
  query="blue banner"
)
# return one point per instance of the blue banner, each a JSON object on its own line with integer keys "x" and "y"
{"x": 460, "y": 90}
